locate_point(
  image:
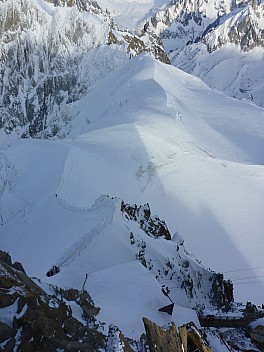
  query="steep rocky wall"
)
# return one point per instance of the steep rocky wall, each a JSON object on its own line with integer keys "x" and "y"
{"x": 31, "y": 320}
{"x": 188, "y": 21}
{"x": 221, "y": 291}
{"x": 159, "y": 339}
{"x": 42, "y": 58}
{"x": 51, "y": 53}
{"x": 152, "y": 225}
{"x": 244, "y": 29}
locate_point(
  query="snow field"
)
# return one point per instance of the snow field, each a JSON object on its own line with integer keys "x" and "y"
{"x": 155, "y": 135}
{"x": 127, "y": 293}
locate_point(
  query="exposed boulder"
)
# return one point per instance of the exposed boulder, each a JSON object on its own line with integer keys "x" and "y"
{"x": 257, "y": 336}
{"x": 152, "y": 225}
{"x": 189, "y": 338}
{"x": 221, "y": 291}
{"x": 159, "y": 339}
{"x": 5, "y": 258}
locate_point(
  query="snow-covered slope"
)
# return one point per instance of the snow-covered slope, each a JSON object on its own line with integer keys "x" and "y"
{"x": 160, "y": 137}
{"x": 188, "y": 150}
{"x": 126, "y": 259}
{"x": 236, "y": 73}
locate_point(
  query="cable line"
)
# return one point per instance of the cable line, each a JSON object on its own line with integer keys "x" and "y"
{"x": 233, "y": 271}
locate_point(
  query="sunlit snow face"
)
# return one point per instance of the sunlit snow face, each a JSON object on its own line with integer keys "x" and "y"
{"x": 173, "y": 143}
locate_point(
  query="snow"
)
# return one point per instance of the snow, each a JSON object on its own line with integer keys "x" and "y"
{"x": 226, "y": 152}
{"x": 216, "y": 343}
{"x": 3, "y": 139}
{"x": 77, "y": 312}
{"x": 133, "y": 13}
{"x": 156, "y": 135}
{"x": 23, "y": 311}
{"x": 129, "y": 292}
{"x": 226, "y": 68}
{"x": 43, "y": 5}
{"x": 257, "y": 322}
{"x": 8, "y": 313}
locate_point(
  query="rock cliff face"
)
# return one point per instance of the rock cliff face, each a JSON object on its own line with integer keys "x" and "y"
{"x": 160, "y": 339}
{"x": 152, "y": 225}
{"x": 42, "y": 58}
{"x": 243, "y": 28}
{"x": 31, "y": 320}
{"x": 221, "y": 291}
{"x": 189, "y": 339}
{"x": 188, "y": 21}
{"x": 222, "y": 44}
{"x": 257, "y": 336}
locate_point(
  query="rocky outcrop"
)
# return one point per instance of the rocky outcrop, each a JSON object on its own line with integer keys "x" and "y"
{"x": 192, "y": 339}
{"x": 220, "y": 37}
{"x": 31, "y": 320}
{"x": 189, "y": 338}
{"x": 243, "y": 28}
{"x": 180, "y": 271}
{"x": 221, "y": 291}
{"x": 42, "y": 52}
{"x": 196, "y": 15}
{"x": 81, "y": 5}
{"x": 237, "y": 339}
{"x": 237, "y": 22}
{"x": 159, "y": 339}
{"x": 152, "y": 225}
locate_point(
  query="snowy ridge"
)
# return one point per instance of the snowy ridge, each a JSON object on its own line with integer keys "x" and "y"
{"x": 167, "y": 262}
{"x": 154, "y": 138}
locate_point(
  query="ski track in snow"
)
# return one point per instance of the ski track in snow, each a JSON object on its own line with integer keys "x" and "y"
{"x": 85, "y": 240}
